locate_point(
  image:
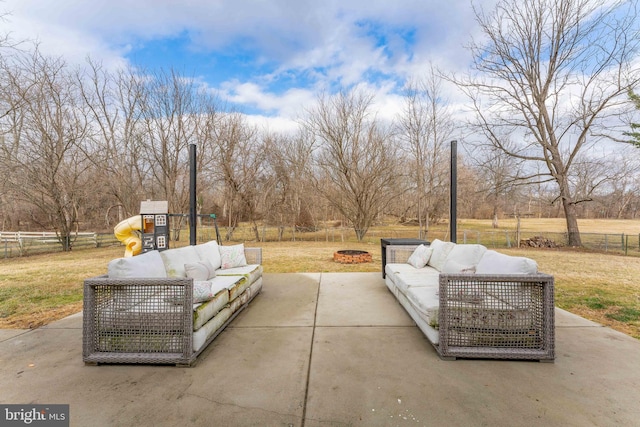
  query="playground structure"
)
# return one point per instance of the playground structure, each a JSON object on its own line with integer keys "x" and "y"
{"x": 154, "y": 220}
{"x": 147, "y": 231}
{"x": 155, "y": 225}
{"x": 150, "y": 230}
{"x": 126, "y": 232}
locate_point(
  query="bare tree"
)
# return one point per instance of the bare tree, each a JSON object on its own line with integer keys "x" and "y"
{"x": 610, "y": 185}
{"x": 626, "y": 189}
{"x": 288, "y": 198}
{"x": 554, "y": 75}
{"x": 10, "y": 125}
{"x": 115, "y": 104}
{"x": 170, "y": 112}
{"x": 45, "y": 147}
{"x": 240, "y": 166}
{"x": 356, "y": 156}
{"x": 6, "y": 39}
{"x": 425, "y": 127}
{"x": 499, "y": 175}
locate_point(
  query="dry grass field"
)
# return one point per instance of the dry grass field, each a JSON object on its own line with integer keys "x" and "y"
{"x": 602, "y": 287}
{"x": 558, "y": 225}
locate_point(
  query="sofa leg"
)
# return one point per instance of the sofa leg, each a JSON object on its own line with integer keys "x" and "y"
{"x": 447, "y": 358}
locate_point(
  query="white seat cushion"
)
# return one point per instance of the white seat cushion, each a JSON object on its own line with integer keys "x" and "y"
{"x": 426, "y": 302}
{"x": 203, "y": 312}
{"x": 224, "y": 282}
{"x": 395, "y": 268}
{"x": 202, "y": 334}
{"x": 251, "y": 272}
{"x": 427, "y": 278}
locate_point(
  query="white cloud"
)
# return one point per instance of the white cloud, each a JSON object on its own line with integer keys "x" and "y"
{"x": 287, "y": 105}
{"x": 278, "y": 125}
{"x": 278, "y": 28}
{"x": 327, "y": 43}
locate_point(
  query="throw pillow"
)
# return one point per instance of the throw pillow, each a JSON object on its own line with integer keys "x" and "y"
{"x": 200, "y": 270}
{"x": 202, "y": 291}
{"x": 420, "y": 256}
{"x": 232, "y": 256}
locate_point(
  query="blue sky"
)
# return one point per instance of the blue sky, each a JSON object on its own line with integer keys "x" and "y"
{"x": 269, "y": 58}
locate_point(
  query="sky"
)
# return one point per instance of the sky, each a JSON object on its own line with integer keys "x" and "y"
{"x": 268, "y": 58}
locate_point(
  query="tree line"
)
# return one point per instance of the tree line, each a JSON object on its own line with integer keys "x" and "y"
{"x": 80, "y": 147}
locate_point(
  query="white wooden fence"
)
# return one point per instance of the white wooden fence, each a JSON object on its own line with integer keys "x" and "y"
{"x": 19, "y": 243}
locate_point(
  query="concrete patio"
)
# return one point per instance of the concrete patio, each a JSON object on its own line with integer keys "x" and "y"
{"x": 330, "y": 349}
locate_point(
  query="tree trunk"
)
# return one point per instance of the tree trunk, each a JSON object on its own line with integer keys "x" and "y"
{"x": 420, "y": 215}
{"x": 255, "y": 231}
{"x": 573, "y": 233}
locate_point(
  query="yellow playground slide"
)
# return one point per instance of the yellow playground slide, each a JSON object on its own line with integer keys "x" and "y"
{"x": 125, "y": 231}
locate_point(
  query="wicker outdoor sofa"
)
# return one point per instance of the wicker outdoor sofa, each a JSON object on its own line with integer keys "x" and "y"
{"x": 471, "y": 302}
{"x": 167, "y": 307}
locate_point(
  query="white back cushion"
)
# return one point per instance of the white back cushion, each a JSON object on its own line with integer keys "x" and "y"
{"x": 493, "y": 262}
{"x": 148, "y": 264}
{"x": 175, "y": 259}
{"x": 451, "y": 266}
{"x": 210, "y": 251}
{"x": 440, "y": 252}
{"x": 200, "y": 271}
{"x": 466, "y": 254}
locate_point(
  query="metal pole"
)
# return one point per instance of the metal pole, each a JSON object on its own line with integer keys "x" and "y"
{"x": 192, "y": 194}
{"x": 453, "y": 192}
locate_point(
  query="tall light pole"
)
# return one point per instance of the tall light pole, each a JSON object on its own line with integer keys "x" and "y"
{"x": 192, "y": 194}
{"x": 453, "y": 193}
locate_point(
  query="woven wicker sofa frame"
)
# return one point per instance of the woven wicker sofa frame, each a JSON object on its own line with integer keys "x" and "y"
{"x": 506, "y": 316}
{"x": 160, "y": 333}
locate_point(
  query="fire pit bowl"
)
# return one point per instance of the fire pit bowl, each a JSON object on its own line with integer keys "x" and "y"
{"x": 351, "y": 256}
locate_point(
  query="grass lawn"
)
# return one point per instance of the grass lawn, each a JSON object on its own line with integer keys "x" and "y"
{"x": 37, "y": 290}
